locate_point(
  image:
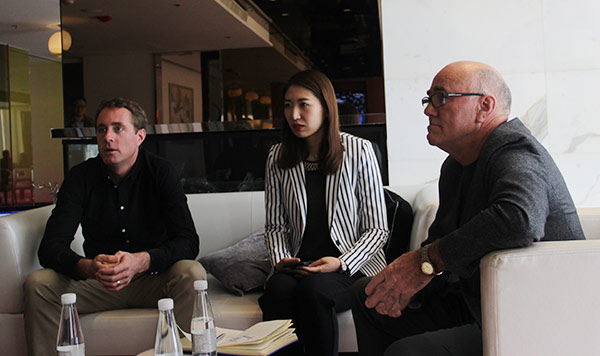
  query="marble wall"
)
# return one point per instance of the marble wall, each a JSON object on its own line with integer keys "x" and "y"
{"x": 548, "y": 52}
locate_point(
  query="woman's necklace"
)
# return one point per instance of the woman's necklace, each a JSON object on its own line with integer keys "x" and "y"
{"x": 311, "y": 166}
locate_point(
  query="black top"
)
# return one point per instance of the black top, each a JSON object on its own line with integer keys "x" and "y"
{"x": 316, "y": 242}
{"x": 146, "y": 211}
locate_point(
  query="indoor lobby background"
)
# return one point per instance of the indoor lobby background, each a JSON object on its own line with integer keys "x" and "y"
{"x": 548, "y": 50}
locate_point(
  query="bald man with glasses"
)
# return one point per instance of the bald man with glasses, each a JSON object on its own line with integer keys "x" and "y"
{"x": 499, "y": 188}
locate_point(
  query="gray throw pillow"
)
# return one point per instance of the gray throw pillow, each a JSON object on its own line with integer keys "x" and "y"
{"x": 243, "y": 267}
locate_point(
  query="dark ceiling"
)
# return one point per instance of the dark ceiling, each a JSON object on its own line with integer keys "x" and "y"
{"x": 341, "y": 37}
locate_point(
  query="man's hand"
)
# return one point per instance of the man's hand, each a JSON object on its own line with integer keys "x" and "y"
{"x": 88, "y": 268}
{"x": 390, "y": 291}
{"x": 114, "y": 271}
{"x": 117, "y": 276}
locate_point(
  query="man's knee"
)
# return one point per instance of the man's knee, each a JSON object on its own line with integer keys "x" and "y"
{"x": 187, "y": 270}
{"x": 39, "y": 281}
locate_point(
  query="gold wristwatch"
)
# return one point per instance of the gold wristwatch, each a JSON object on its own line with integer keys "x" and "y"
{"x": 426, "y": 265}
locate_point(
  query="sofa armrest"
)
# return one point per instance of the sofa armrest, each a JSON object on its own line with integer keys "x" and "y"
{"x": 425, "y": 206}
{"x": 20, "y": 236}
{"x": 542, "y": 299}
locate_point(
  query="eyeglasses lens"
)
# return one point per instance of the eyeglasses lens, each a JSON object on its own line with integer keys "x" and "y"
{"x": 437, "y": 100}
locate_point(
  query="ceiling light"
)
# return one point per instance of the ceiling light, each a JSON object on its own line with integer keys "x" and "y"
{"x": 59, "y": 43}
{"x": 265, "y": 100}
{"x": 234, "y": 92}
{"x": 285, "y": 14}
{"x": 251, "y": 96}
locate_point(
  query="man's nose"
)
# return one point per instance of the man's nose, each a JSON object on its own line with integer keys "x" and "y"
{"x": 109, "y": 135}
{"x": 430, "y": 110}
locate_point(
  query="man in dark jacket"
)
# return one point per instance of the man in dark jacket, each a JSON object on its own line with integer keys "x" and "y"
{"x": 139, "y": 237}
{"x": 499, "y": 188}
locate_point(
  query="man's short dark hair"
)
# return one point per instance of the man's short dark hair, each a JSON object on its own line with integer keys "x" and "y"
{"x": 138, "y": 116}
{"x": 78, "y": 98}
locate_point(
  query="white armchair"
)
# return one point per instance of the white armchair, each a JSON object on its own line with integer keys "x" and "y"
{"x": 543, "y": 299}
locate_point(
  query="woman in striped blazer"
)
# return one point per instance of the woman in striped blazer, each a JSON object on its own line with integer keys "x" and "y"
{"x": 325, "y": 205}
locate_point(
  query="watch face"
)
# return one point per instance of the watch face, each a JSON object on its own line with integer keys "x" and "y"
{"x": 427, "y": 268}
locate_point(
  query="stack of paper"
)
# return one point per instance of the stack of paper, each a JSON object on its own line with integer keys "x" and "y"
{"x": 261, "y": 339}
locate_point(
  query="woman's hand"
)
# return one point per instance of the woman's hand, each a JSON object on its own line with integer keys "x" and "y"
{"x": 284, "y": 263}
{"x": 323, "y": 265}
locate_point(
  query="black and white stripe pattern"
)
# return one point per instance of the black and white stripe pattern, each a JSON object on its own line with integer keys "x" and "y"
{"x": 355, "y": 206}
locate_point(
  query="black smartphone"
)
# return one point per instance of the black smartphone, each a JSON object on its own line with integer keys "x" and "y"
{"x": 299, "y": 264}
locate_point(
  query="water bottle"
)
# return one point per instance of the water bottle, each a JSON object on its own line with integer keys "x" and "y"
{"x": 204, "y": 334}
{"x": 69, "y": 341}
{"x": 167, "y": 337}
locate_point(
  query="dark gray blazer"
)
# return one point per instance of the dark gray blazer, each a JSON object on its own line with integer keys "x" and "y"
{"x": 512, "y": 196}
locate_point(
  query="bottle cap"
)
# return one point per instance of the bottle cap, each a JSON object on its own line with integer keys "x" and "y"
{"x": 201, "y": 284}
{"x": 165, "y": 304}
{"x": 68, "y": 298}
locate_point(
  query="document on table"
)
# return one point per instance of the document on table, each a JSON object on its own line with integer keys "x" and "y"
{"x": 261, "y": 339}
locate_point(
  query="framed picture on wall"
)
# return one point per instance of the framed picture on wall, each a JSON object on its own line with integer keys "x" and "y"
{"x": 181, "y": 104}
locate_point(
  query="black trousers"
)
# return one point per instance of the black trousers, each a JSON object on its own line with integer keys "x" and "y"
{"x": 312, "y": 303}
{"x": 439, "y": 324}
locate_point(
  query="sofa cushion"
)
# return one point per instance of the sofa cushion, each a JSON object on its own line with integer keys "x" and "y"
{"x": 242, "y": 267}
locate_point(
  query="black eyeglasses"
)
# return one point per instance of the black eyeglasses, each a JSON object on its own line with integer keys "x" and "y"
{"x": 439, "y": 99}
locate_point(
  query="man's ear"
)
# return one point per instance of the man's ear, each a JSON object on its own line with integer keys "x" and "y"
{"x": 487, "y": 106}
{"x": 141, "y": 135}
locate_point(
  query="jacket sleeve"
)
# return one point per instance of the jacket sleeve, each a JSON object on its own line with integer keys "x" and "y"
{"x": 55, "y": 248}
{"x": 276, "y": 226}
{"x": 183, "y": 242}
{"x": 515, "y": 215}
{"x": 372, "y": 228}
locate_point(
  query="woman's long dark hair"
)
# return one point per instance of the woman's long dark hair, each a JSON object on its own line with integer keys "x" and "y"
{"x": 294, "y": 149}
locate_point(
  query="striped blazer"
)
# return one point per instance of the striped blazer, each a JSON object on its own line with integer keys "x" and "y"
{"x": 354, "y": 201}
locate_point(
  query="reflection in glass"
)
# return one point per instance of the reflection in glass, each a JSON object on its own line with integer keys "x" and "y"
{"x": 221, "y": 161}
{"x": 16, "y": 169}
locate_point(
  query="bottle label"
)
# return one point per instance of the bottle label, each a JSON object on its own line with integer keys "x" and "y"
{"x": 71, "y": 350}
{"x": 204, "y": 336}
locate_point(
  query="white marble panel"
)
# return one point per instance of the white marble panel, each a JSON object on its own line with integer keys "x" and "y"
{"x": 529, "y": 101}
{"x": 406, "y": 123}
{"x": 421, "y": 36}
{"x": 572, "y": 34}
{"x": 582, "y": 175}
{"x": 573, "y": 114}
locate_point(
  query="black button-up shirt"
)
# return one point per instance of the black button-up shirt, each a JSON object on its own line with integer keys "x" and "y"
{"x": 146, "y": 211}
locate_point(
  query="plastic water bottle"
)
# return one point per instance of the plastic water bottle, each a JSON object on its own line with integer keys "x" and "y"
{"x": 167, "y": 337}
{"x": 69, "y": 341}
{"x": 204, "y": 334}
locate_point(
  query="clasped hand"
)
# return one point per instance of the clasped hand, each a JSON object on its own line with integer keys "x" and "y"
{"x": 322, "y": 265}
{"x": 390, "y": 291}
{"x": 116, "y": 271}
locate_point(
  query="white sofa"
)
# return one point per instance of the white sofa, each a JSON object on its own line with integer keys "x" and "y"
{"x": 221, "y": 220}
{"x": 538, "y": 300}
